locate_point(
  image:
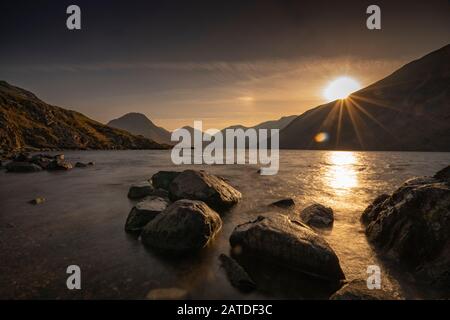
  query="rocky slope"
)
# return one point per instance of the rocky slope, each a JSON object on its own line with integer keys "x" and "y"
{"x": 28, "y": 122}
{"x": 408, "y": 110}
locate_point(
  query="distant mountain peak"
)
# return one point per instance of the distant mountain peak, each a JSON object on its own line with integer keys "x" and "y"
{"x": 140, "y": 124}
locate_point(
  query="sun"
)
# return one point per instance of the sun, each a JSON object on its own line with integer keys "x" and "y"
{"x": 340, "y": 88}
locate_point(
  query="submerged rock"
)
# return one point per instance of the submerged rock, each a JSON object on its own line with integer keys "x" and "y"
{"x": 163, "y": 179}
{"x": 284, "y": 203}
{"x": 81, "y": 165}
{"x": 38, "y": 200}
{"x": 358, "y": 290}
{"x": 145, "y": 211}
{"x": 413, "y": 226}
{"x": 317, "y": 215}
{"x": 288, "y": 242}
{"x": 16, "y": 166}
{"x": 199, "y": 185}
{"x": 140, "y": 190}
{"x": 186, "y": 225}
{"x": 238, "y": 277}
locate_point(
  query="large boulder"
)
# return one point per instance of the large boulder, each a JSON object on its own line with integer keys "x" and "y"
{"x": 199, "y": 185}
{"x": 140, "y": 190}
{"x": 288, "y": 242}
{"x": 163, "y": 179}
{"x": 185, "y": 226}
{"x": 318, "y": 216}
{"x": 358, "y": 290}
{"x": 413, "y": 226}
{"x": 19, "y": 166}
{"x": 145, "y": 211}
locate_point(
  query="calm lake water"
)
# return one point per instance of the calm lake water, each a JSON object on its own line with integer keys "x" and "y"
{"x": 82, "y": 223}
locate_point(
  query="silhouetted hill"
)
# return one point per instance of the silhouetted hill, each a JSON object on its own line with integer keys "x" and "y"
{"x": 408, "y": 110}
{"x": 28, "y": 122}
{"x": 139, "y": 124}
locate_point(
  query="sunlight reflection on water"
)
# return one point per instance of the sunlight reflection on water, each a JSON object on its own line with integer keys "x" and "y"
{"x": 341, "y": 175}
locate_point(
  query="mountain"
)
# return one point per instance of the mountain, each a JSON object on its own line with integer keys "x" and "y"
{"x": 271, "y": 124}
{"x": 28, "y": 122}
{"x": 408, "y": 110}
{"x": 139, "y": 124}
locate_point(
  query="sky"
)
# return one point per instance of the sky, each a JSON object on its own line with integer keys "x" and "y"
{"x": 223, "y": 62}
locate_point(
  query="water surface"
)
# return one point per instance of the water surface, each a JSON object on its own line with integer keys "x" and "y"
{"x": 83, "y": 218}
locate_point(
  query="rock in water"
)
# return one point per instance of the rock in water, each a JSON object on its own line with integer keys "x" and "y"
{"x": 413, "y": 226}
{"x": 38, "y": 200}
{"x": 366, "y": 216}
{"x": 199, "y": 185}
{"x": 317, "y": 215}
{"x": 185, "y": 226}
{"x": 17, "y": 166}
{"x": 284, "y": 203}
{"x": 140, "y": 190}
{"x": 443, "y": 175}
{"x": 290, "y": 243}
{"x": 59, "y": 164}
{"x": 238, "y": 277}
{"x": 80, "y": 165}
{"x": 163, "y": 179}
{"x": 145, "y": 211}
{"x": 358, "y": 290}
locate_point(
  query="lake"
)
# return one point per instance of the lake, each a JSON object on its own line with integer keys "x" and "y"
{"x": 82, "y": 223}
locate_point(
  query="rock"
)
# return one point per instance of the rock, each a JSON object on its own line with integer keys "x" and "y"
{"x": 22, "y": 157}
{"x": 357, "y": 290}
{"x": 163, "y": 179}
{"x": 185, "y": 226}
{"x": 238, "y": 277}
{"x": 368, "y": 212}
{"x": 140, "y": 190}
{"x": 38, "y": 200}
{"x": 317, "y": 215}
{"x": 80, "y": 165}
{"x": 161, "y": 193}
{"x": 59, "y": 157}
{"x": 16, "y": 166}
{"x": 145, "y": 211}
{"x": 413, "y": 227}
{"x": 288, "y": 242}
{"x": 443, "y": 175}
{"x": 284, "y": 203}
{"x": 199, "y": 185}
{"x": 59, "y": 165}
{"x": 41, "y": 160}
{"x": 167, "y": 294}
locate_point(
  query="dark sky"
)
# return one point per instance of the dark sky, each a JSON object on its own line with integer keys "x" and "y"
{"x": 225, "y": 62}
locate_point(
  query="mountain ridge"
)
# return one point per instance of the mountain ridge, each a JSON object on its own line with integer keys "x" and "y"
{"x": 28, "y": 122}
{"x": 409, "y": 110}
